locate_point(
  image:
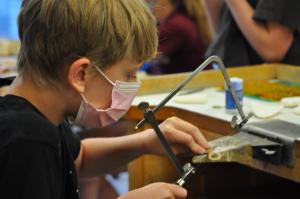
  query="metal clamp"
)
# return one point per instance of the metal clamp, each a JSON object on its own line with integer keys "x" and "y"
{"x": 189, "y": 170}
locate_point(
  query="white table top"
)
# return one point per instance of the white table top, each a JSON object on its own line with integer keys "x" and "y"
{"x": 218, "y": 98}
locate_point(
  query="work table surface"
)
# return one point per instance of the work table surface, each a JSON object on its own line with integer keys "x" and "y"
{"x": 214, "y": 123}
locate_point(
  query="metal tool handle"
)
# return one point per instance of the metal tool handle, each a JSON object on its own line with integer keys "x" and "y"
{"x": 150, "y": 118}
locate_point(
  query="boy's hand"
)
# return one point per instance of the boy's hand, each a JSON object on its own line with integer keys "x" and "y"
{"x": 157, "y": 191}
{"x": 182, "y": 136}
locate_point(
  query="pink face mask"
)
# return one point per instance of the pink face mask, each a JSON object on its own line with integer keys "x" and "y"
{"x": 123, "y": 94}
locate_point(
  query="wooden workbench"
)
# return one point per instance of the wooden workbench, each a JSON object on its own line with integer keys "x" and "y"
{"x": 215, "y": 179}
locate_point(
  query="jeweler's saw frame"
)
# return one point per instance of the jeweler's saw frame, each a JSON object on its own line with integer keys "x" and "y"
{"x": 149, "y": 116}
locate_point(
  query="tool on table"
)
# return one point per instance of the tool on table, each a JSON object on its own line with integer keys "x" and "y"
{"x": 271, "y": 141}
{"x": 149, "y": 116}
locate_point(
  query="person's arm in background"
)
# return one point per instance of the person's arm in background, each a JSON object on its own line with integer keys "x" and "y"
{"x": 270, "y": 40}
{"x": 212, "y": 10}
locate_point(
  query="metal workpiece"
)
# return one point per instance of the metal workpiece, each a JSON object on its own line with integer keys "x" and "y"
{"x": 272, "y": 141}
{"x": 242, "y": 148}
{"x": 227, "y": 149}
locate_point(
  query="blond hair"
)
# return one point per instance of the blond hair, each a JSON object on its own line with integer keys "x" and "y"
{"x": 195, "y": 10}
{"x": 54, "y": 33}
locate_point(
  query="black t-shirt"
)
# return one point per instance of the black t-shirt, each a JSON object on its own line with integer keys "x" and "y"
{"x": 36, "y": 157}
{"x": 231, "y": 45}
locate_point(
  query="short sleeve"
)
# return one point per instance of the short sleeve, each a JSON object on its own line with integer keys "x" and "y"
{"x": 285, "y": 12}
{"x": 30, "y": 170}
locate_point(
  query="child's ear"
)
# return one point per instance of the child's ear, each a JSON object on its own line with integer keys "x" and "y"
{"x": 77, "y": 74}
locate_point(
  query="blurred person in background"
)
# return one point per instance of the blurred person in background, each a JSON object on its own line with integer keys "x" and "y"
{"x": 183, "y": 35}
{"x": 255, "y": 31}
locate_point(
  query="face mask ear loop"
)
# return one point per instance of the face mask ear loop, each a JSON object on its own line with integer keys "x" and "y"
{"x": 100, "y": 71}
{"x": 87, "y": 102}
{"x": 84, "y": 98}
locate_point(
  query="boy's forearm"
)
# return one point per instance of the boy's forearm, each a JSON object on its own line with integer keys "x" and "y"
{"x": 102, "y": 155}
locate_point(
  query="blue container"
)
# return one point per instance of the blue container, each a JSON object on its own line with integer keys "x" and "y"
{"x": 9, "y": 10}
{"x": 237, "y": 85}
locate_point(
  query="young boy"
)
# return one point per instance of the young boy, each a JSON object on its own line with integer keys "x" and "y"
{"x": 78, "y": 59}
